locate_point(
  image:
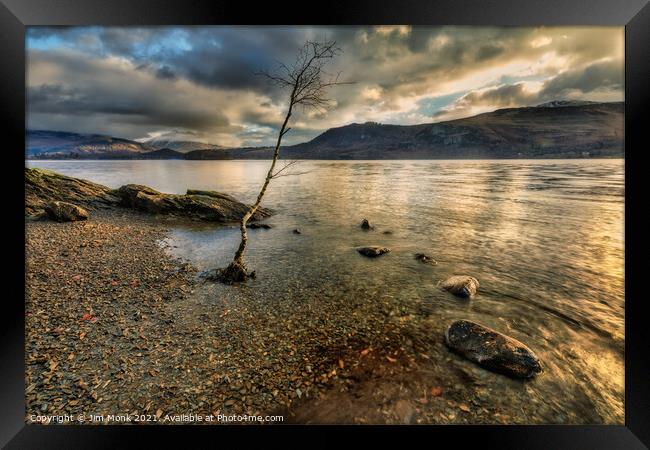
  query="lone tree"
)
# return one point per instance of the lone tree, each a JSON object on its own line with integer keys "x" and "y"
{"x": 307, "y": 82}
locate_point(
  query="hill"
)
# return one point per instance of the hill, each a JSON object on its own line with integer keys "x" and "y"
{"x": 61, "y": 144}
{"x": 181, "y": 146}
{"x": 545, "y": 131}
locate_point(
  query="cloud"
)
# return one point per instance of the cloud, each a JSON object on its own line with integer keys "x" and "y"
{"x": 600, "y": 76}
{"x": 131, "y": 81}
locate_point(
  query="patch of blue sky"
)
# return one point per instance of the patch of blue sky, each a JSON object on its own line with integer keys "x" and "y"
{"x": 175, "y": 41}
{"x": 43, "y": 42}
{"x": 509, "y": 79}
{"x": 431, "y": 105}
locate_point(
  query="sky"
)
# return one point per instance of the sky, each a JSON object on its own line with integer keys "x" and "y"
{"x": 200, "y": 83}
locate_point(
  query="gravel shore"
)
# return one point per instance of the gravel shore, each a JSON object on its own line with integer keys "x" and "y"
{"x": 115, "y": 325}
{"x": 99, "y": 313}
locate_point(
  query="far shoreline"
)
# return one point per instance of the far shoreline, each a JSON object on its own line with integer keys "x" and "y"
{"x": 329, "y": 160}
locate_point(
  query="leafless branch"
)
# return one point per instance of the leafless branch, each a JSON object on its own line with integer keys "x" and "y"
{"x": 282, "y": 172}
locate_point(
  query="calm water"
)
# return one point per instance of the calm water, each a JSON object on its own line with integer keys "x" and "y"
{"x": 545, "y": 239}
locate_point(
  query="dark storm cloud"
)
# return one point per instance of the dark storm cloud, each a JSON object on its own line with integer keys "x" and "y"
{"x": 166, "y": 73}
{"x": 221, "y": 57}
{"x": 513, "y": 94}
{"x": 55, "y": 98}
{"x": 604, "y": 75}
{"x": 488, "y": 51}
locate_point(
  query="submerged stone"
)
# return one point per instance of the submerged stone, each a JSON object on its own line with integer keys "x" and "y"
{"x": 373, "y": 251}
{"x": 460, "y": 285}
{"x": 425, "y": 259}
{"x": 493, "y": 350}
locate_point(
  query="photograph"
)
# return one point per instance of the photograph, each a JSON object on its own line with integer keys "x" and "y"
{"x": 325, "y": 224}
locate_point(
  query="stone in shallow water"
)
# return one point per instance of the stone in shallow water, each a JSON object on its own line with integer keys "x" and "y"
{"x": 493, "y": 350}
{"x": 373, "y": 251}
{"x": 461, "y": 285}
{"x": 65, "y": 212}
{"x": 365, "y": 225}
{"x": 256, "y": 226}
{"x": 425, "y": 259}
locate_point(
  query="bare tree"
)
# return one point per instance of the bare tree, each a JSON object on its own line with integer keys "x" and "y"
{"x": 307, "y": 81}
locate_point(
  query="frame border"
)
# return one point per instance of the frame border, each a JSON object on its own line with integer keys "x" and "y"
{"x": 15, "y": 15}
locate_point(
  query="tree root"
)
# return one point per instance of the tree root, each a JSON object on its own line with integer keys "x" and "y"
{"x": 235, "y": 273}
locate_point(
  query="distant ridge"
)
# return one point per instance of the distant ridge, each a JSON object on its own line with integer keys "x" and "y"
{"x": 563, "y": 103}
{"x": 63, "y": 144}
{"x": 558, "y": 129}
{"x": 181, "y": 146}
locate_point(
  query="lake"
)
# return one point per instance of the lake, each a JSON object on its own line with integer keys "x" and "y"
{"x": 545, "y": 238}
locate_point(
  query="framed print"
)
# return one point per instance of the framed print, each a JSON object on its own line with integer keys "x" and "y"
{"x": 366, "y": 217}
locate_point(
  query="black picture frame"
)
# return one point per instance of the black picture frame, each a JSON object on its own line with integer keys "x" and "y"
{"x": 15, "y": 15}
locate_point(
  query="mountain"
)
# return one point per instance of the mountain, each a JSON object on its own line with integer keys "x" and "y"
{"x": 545, "y": 131}
{"x": 558, "y": 129}
{"x": 181, "y": 146}
{"x": 61, "y": 144}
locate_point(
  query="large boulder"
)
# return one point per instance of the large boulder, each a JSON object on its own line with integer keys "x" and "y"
{"x": 65, "y": 212}
{"x": 213, "y": 207}
{"x": 373, "y": 251}
{"x": 44, "y": 186}
{"x": 493, "y": 350}
{"x": 460, "y": 285}
{"x": 214, "y": 194}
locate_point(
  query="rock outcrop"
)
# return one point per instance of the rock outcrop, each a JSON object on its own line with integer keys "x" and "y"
{"x": 43, "y": 187}
{"x": 493, "y": 350}
{"x": 197, "y": 206}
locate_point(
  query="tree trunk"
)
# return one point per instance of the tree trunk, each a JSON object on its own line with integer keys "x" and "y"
{"x": 236, "y": 271}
